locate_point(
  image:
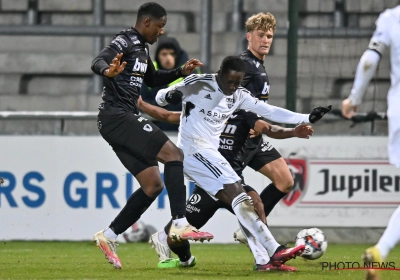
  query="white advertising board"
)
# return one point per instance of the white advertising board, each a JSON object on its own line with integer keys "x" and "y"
{"x": 67, "y": 188}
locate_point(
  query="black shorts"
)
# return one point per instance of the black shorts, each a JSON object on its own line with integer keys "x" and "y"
{"x": 201, "y": 206}
{"x": 260, "y": 156}
{"x": 134, "y": 139}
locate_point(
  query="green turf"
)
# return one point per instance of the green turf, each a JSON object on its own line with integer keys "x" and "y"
{"x": 82, "y": 260}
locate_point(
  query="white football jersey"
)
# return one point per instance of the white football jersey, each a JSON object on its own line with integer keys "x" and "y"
{"x": 388, "y": 32}
{"x": 206, "y": 109}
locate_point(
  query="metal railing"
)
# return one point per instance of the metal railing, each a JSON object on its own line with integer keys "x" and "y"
{"x": 368, "y": 119}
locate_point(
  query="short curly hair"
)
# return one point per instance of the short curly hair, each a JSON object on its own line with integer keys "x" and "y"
{"x": 262, "y": 22}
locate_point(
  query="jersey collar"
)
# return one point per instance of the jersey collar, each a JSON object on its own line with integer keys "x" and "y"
{"x": 252, "y": 56}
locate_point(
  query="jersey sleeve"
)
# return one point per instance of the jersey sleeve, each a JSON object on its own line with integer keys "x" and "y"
{"x": 120, "y": 44}
{"x": 273, "y": 113}
{"x": 382, "y": 31}
{"x": 183, "y": 86}
{"x": 251, "y": 118}
{"x": 156, "y": 78}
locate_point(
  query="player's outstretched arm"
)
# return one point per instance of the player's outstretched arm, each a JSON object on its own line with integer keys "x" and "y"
{"x": 365, "y": 71}
{"x": 159, "y": 113}
{"x": 101, "y": 67}
{"x": 190, "y": 65}
{"x": 279, "y": 132}
{"x": 280, "y": 115}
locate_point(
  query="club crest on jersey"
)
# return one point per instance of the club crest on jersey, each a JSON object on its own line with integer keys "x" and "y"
{"x": 298, "y": 168}
{"x": 229, "y": 102}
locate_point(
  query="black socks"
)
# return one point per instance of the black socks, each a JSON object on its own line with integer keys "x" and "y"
{"x": 136, "y": 205}
{"x": 173, "y": 179}
{"x": 270, "y": 196}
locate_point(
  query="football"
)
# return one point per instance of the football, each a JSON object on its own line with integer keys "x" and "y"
{"x": 138, "y": 232}
{"x": 315, "y": 241}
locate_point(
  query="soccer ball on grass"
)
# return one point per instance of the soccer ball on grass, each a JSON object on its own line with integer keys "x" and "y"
{"x": 315, "y": 241}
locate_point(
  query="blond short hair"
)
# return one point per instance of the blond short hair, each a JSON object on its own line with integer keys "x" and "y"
{"x": 261, "y": 21}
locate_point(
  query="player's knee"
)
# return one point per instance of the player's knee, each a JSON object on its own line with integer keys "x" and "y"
{"x": 285, "y": 185}
{"x": 154, "y": 189}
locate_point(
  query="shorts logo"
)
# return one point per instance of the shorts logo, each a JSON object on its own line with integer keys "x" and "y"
{"x": 148, "y": 128}
{"x": 298, "y": 168}
{"x": 99, "y": 125}
{"x": 194, "y": 198}
{"x": 266, "y": 146}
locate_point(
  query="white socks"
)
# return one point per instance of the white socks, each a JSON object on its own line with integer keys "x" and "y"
{"x": 259, "y": 252}
{"x": 110, "y": 234}
{"x": 180, "y": 222}
{"x": 162, "y": 236}
{"x": 251, "y": 223}
{"x": 391, "y": 236}
{"x": 188, "y": 262}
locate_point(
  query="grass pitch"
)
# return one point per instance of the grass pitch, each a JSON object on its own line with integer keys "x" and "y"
{"x": 82, "y": 260}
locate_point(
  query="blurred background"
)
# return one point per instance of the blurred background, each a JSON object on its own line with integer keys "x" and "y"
{"x": 46, "y": 47}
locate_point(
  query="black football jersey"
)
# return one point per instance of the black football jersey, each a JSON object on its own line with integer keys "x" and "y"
{"x": 257, "y": 82}
{"x": 234, "y": 136}
{"x": 120, "y": 93}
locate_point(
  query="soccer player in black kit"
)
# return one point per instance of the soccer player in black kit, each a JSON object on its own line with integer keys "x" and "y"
{"x": 125, "y": 64}
{"x": 259, "y": 155}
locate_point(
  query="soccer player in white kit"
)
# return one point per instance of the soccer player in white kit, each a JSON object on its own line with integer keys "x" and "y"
{"x": 386, "y": 35}
{"x": 208, "y": 101}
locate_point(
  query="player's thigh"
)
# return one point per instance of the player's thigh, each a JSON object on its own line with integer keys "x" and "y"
{"x": 209, "y": 169}
{"x": 134, "y": 133}
{"x": 145, "y": 171}
{"x": 200, "y": 207}
{"x": 278, "y": 172}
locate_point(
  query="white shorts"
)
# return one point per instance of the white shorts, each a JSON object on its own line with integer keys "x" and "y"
{"x": 209, "y": 169}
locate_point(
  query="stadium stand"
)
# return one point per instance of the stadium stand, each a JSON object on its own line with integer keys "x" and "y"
{"x": 53, "y": 73}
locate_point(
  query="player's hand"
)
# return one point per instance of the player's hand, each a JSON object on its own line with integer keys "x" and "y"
{"x": 303, "y": 131}
{"x": 116, "y": 67}
{"x": 253, "y": 133}
{"x": 348, "y": 110}
{"x": 174, "y": 97}
{"x": 190, "y": 65}
{"x": 318, "y": 112}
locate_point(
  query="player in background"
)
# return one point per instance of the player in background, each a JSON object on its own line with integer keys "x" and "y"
{"x": 259, "y": 155}
{"x": 386, "y": 36}
{"x": 208, "y": 101}
{"x": 201, "y": 206}
{"x": 139, "y": 144}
